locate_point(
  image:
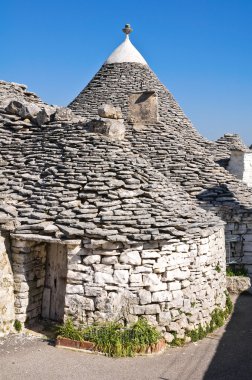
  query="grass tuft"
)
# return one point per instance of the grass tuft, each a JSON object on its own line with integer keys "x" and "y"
{"x": 241, "y": 271}
{"x": 17, "y": 325}
{"x": 113, "y": 338}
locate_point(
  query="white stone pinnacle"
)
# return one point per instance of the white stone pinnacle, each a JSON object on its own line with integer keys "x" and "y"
{"x": 126, "y": 52}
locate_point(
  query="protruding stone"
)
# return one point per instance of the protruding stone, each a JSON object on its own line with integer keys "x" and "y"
{"x": 63, "y": 114}
{"x": 114, "y": 129}
{"x": 109, "y": 111}
{"x": 168, "y": 337}
{"x": 44, "y": 116}
{"x": 238, "y": 284}
{"x": 22, "y": 109}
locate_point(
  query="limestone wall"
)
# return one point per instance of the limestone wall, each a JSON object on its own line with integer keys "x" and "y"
{"x": 175, "y": 285}
{"x": 240, "y": 164}
{"x": 7, "y": 313}
{"x": 247, "y": 176}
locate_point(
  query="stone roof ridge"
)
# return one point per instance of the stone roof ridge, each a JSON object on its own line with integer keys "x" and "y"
{"x": 126, "y": 51}
{"x": 22, "y": 86}
{"x": 233, "y": 141}
{"x": 12, "y": 90}
{"x": 22, "y": 110}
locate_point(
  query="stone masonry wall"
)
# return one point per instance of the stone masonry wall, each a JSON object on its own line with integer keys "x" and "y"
{"x": 240, "y": 165}
{"x": 239, "y": 240}
{"x": 174, "y": 285}
{"x": 7, "y": 313}
{"x": 247, "y": 176}
{"x": 29, "y": 258}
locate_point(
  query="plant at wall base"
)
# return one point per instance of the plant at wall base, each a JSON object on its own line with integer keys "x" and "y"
{"x": 229, "y": 304}
{"x": 68, "y": 330}
{"x": 115, "y": 340}
{"x": 218, "y": 318}
{"x": 112, "y": 338}
{"x": 198, "y": 333}
{"x": 177, "y": 342}
{"x": 17, "y": 325}
{"x": 241, "y": 271}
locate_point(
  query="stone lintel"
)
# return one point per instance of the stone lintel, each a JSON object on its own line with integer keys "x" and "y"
{"x": 46, "y": 239}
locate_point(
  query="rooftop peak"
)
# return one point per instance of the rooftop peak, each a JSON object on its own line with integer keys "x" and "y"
{"x": 126, "y": 52}
{"x": 127, "y": 29}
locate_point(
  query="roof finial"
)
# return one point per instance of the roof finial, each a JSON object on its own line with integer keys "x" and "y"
{"x": 127, "y": 29}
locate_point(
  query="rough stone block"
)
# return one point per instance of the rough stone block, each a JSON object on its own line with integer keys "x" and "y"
{"x": 144, "y": 297}
{"x": 109, "y": 260}
{"x": 114, "y": 129}
{"x": 168, "y": 337}
{"x": 148, "y": 254}
{"x": 138, "y": 309}
{"x": 103, "y": 278}
{"x": 92, "y": 259}
{"x": 175, "y": 285}
{"x": 238, "y": 284}
{"x": 130, "y": 257}
{"x": 109, "y": 111}
{"x": 121, "y": 276}
{"x": 136, "y": 278}
{"x": 93, "y": 291}
{"x": 161, "y": 296}
{"x": 164, "y": 318}
{"x": 74, "y": 289}
{"x": 174, "y": 326}
{"x": 152, "y": 309}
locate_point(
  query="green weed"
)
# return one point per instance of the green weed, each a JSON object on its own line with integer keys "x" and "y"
{"x": 241, "y": 271}
{"x": 17, "y": 325}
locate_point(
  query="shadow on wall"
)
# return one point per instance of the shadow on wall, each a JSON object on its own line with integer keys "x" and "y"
{"x": 233, "y": 358}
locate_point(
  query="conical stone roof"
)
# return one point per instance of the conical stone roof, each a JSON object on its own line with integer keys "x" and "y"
{"x": 171, "y": 144}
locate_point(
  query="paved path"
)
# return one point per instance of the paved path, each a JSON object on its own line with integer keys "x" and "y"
{"x": 225, "y": 355}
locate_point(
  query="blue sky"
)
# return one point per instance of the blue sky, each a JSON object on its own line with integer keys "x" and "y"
{"x": 200, "y": 49}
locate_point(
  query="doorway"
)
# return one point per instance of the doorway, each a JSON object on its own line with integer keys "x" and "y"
{"x": 53, "y": 302}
